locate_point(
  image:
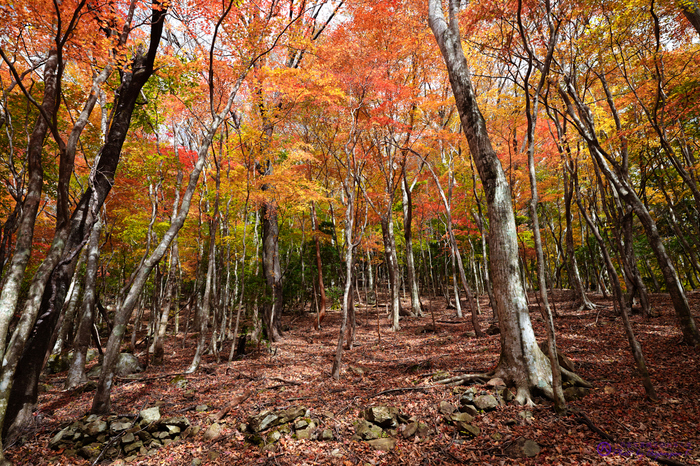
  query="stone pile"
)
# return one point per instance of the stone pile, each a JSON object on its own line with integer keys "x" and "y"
{"x": 380, "y": 425}
{"x": 120, "y": 436}
{"x": 266, "y": 428}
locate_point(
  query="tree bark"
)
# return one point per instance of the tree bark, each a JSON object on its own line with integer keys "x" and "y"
{"x": 522, "y": 363}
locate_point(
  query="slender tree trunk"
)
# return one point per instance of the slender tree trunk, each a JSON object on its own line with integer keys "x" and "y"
{"x": 407, "y": 203}
{"x": 392, "y": 266}
{"x": 76, "y": 371}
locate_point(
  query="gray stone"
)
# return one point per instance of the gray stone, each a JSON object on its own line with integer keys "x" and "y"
{"x": 150, "y": 415}
{"x": 90, "y": 452}
{"x": 336, "y": 453}
{"x": 486, "y": 402}
{"x": 180, "y": 421}
{"x": 290, "y": 414}
{"x": 95, "y": 428}
{"x": 213, "y": 455}
{"x": 469, "y": 409}
{"x": 196, "y": 462}
{"x": 301, "y": 424}
{"x": 274, "y": 436}
{"x": 173, "y": 430}
{"x": 95, "y": 371}
{"x": 145, "y": 436}
{"x": 91, "y": 355}
{"x": 367, "y": 431}
{"x": 468, "y": 429}
{"x": 460, "y": 417}
{"x": 118, "y": 426}
{"x": 201, "y": 408}
{"x": 127, "y": 364}
{"x": 522, "y": 448}
{"x": 213, "y": 432}
{"x": 327, "y": 434}
{"x": 446, "y": 408}
{"x": 64, "y": 434}
{"x": 179, "y": 382}
{"x": 383, "y": 444}
{"x": 128, "y": 438}
{"x": 166, "y": 442}
{"x": 58, "y": 363}
{"x": 155, "y": 444}
{"x": 133, "y": 446}
{"x": 383, "y": 416}
{"x": 263, "y": 421}
{"x": 305, "y": 433}
{"x": 410, "y": 430}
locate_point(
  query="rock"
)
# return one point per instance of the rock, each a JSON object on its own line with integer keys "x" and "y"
{"x": 91, "y": 355}
{"x": 469, "y": 409}
{"x": 95, "y": 428}
{"x": 213, "y": 432}
{"x": 493, "y": 330}
{"x": 468, "y": 429}
{"x": 64, "y": 434}
{"x": 496, "y": 383}
{"x": 383, "y": 416}
{"x": 274, "y": 436}
{"x": 486, "y": 402}
{"x": 58, "y": 363}
{"x": 201, "y": 408}
{"x": 336, "y": 453}
{"x": 301, "y": 424}
{"x": 304, "y": 433}
{"x": 150, "y": 415}
{"x": 127, "y": 364}
{"x": 173, "y": 430}
{"x": 90, "y": 452}
{"x": 262, "y": 421}
{"x": 181, "y": 422}
{"x": 575, "y": 393}
{"x": 460, "y": 417}
{"x": 145, "y": 436}
{"x": 326, "y": 434}
{"x": 155, "y": 444}
{"x": 133, "y": 446}
{"x": 179, "y": 382}
{"x": 290, "y": 414}
{"x": 95, "y": 371}
{"x": 507, "y": 395}
{"x": 118, "y": 426}
{"x": 383, "y": 444}
{"x": 213, "y": 455}
{"x": 522, "y": 448}
{"x": 525, "y": 414}
{"x": 410, "y": 430}
{"x": 196, "y": 462}
{"x": 128, "y": 438}
{"x": 365, "y": 430}
{"x": 467, "y": 397}
{"x": 446, "y": 408}
{"x": 441, "y": 375}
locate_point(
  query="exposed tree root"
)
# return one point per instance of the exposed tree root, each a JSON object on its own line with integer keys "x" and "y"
{"x": 466, "y": 378}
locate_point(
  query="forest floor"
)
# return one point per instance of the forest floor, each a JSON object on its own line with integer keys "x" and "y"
{"x": 297, "y": 372}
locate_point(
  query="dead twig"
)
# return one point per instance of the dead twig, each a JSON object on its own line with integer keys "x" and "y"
{"x": 399, "y": 390}
{"x": 460, "y": 379}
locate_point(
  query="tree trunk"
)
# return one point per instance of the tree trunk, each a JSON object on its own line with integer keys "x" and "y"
{"x": 76, "y": 372}
{"x": 522, "y": 363}
{"x": 392, "y": 267}
{"x": 407, "y": 204}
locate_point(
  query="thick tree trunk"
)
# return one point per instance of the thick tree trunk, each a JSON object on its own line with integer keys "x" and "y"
{"x": 521, "y": 363}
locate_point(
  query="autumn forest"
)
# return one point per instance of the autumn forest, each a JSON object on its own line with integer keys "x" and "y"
{"x": 349, "y": 232}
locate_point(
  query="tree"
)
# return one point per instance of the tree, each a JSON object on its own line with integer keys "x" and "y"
{"x": 522, "y": 363}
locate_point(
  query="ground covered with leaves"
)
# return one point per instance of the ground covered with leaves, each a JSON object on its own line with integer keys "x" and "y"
{"x": 402, "y": 370}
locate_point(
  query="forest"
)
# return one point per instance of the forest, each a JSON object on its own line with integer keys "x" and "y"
{"x": 349, "y": 232}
